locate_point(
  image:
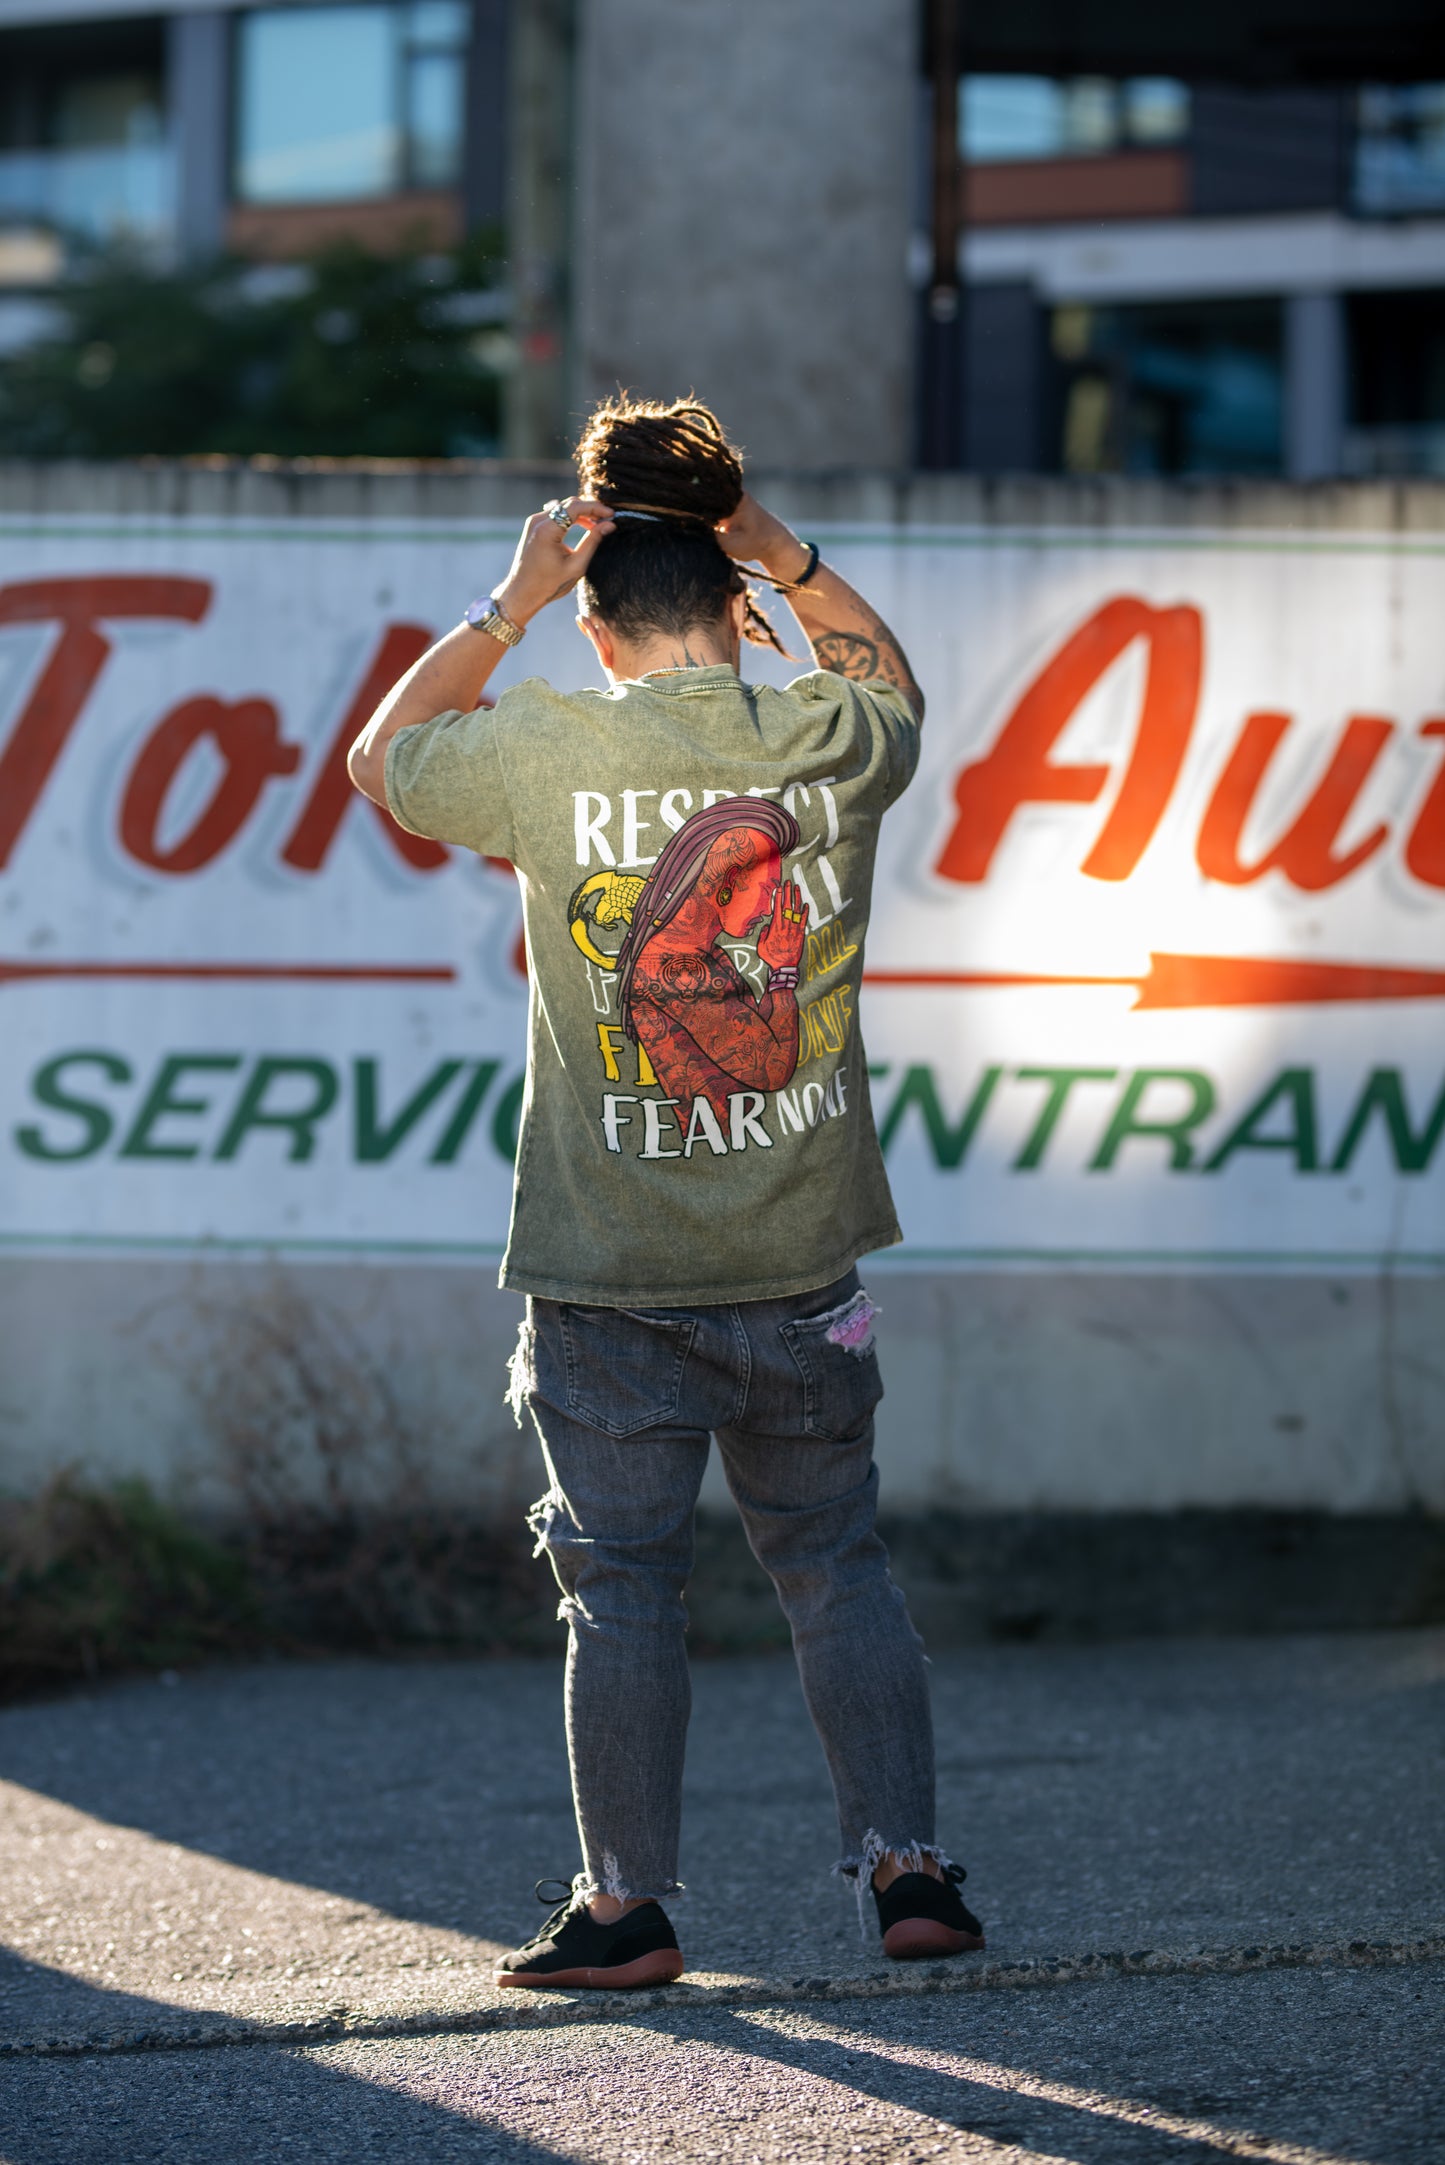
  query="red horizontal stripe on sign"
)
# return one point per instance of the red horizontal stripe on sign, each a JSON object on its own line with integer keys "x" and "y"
{"x": 1259, "y": 981}
{"x": 982, "y": 977}
{"x": 311, "y": 973}
{"x": 1176, "y": 981}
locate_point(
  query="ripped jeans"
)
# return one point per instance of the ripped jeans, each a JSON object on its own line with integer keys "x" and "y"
{"x": 624, "y": 1402}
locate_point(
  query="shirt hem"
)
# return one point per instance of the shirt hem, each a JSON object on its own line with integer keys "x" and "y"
{"x": 515, "y": 1279}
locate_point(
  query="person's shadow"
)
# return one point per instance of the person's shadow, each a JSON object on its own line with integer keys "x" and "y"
{"x": 233, "y": 2104}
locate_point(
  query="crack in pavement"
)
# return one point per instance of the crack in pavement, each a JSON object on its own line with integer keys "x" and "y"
{"x": 529, "y": 2010}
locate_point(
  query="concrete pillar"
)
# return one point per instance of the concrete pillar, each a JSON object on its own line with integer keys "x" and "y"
{"x": 198, "y": 94}
{"x": 1315, "y": 386}
{"x": 742, "y": 218}
{"x": 536, "y": 424}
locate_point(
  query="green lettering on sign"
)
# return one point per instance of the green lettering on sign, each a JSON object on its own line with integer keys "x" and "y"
{"x": 158, "y": 1102}
{"x": 468, "y": 1106}
{"x": 97, "y": 1121}
{"x": 1385, "y": 1093}
{"x": 1176, "y": 1132}
{"x": 948, "y": 1143}
{"x": 507, "y": 1119}
{"x": 1061, "y": 1081}
{"x": 1294, "y": 1087}
{"x": 375, "y": 1142}
{"x": 253, "y": 1112}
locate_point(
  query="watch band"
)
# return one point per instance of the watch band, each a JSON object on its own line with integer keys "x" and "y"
{"x": 489, "y": 616}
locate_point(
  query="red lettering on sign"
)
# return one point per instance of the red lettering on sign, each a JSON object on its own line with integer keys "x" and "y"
{"x": 1425, "y": 850}
{"x": 248, "y": 738}
{"x": 1018, "y": 770}
{"x": 76, "y": 660}
{"x": 1305, "y": 853}
{"x": 333, "y": 792}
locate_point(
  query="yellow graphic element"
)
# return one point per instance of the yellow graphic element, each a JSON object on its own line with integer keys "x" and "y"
{"x": 828, "y": 949}
{"x": 608, "y": 898}
{"x": 606, "y": 1033}
{"x": 824, "y": 1024}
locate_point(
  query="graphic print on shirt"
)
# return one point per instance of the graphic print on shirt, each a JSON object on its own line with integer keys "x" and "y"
{"x": 705, "y": 1032}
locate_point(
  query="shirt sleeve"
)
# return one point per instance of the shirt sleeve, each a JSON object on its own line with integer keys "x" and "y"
{"x": 444, "y": 780}
{"x": 891, "y": 714}
{"x": 880, "y": 711}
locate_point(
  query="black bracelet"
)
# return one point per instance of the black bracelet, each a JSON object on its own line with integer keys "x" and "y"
{"x": 804, "y": 577}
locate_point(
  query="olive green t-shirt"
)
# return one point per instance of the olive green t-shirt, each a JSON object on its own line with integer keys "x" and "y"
{"x": 696, "y": 862}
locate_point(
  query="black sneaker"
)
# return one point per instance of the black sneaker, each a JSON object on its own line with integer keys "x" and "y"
{"x": 573, "y": 1951}
{"x": 919, "y": 1916}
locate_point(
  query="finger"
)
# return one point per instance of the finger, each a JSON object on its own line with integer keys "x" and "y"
{"x": 586, "y": 510}
{"x": 581, "y": 556}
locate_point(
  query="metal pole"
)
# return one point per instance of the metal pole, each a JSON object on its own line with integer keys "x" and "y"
{"x": 941, "y": 357}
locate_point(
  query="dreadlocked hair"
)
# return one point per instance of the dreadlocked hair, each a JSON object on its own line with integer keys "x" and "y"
{"x": 664, "y": 569}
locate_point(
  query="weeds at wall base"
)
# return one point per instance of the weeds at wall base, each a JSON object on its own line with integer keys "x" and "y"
{"x": 101, "y": 1582}
{"x": 98, "y": 1582}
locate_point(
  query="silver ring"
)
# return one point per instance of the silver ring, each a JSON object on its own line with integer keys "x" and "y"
{"x": 558, "y": 513}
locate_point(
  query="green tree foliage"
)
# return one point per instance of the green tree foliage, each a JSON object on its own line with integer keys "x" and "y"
{"x": 350, "y": 355}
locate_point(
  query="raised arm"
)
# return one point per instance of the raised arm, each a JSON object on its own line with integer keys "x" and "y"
{"x": 843, "y": 633}
{"x": 452, "y": 673}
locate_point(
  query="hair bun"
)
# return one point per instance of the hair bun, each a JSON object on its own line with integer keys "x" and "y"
{"x": 642, "y": 455}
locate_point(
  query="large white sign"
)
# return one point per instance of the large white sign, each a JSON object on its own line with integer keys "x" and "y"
{"x": 1156, "y": 970}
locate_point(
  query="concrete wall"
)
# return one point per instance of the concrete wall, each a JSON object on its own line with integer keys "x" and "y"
{"x": 1046, "y": 1391}
{"x": 1058, "y": 1389}
{"x": 739, "y": 169}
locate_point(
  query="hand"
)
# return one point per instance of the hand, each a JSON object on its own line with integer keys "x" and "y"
{"x": 751, "y": 535}
{"x": 544, "y": 567}
{"x": 781, "y": 945}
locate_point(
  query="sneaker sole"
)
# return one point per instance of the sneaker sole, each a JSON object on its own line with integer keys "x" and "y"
{"x": 913, "y": 1939}
{"x": 662, "y": 1968}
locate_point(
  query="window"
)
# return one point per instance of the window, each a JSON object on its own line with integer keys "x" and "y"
{"x": 1169, "y": 388}
{"x": 1400, "y": 147}
{"x": 83, "y": 150}
{"x": 336, "y": 104}
{"x": 1008, "y": 117}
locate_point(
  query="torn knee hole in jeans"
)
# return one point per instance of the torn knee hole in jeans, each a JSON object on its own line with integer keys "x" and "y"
{"x": 542, "y": 1521}
{"x": 851, "y": 1325}
{"x": 543, "y": 1516}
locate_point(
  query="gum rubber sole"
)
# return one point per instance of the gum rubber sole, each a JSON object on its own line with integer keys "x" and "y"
{"x": 914, "y": 1939}
{"x": 662, "y": 1968}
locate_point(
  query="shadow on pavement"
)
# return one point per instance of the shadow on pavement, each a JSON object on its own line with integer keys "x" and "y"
{"x": 874, "y": 2082}
{"x": 240, "y": 2104}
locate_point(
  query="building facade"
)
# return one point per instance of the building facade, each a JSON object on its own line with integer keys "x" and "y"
{"x": 1208, "y": 249}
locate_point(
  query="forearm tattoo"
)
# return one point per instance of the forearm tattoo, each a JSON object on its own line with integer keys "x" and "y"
{"x": 857, "y": 655}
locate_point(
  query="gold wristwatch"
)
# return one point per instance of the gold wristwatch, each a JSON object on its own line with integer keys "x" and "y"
{"x": 489, "y": 616}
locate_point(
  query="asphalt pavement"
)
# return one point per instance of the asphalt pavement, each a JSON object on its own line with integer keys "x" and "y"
{"x": 251, "y": 1914}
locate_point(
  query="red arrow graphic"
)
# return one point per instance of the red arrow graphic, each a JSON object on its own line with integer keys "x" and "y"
{"x": 1215, "y": 981}
{"x": 312, "y": 973}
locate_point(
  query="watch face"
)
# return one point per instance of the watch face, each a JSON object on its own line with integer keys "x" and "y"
{"x": 476, "y": 610}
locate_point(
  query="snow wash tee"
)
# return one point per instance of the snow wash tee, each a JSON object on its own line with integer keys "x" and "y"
{"x": 696, "y": 861}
